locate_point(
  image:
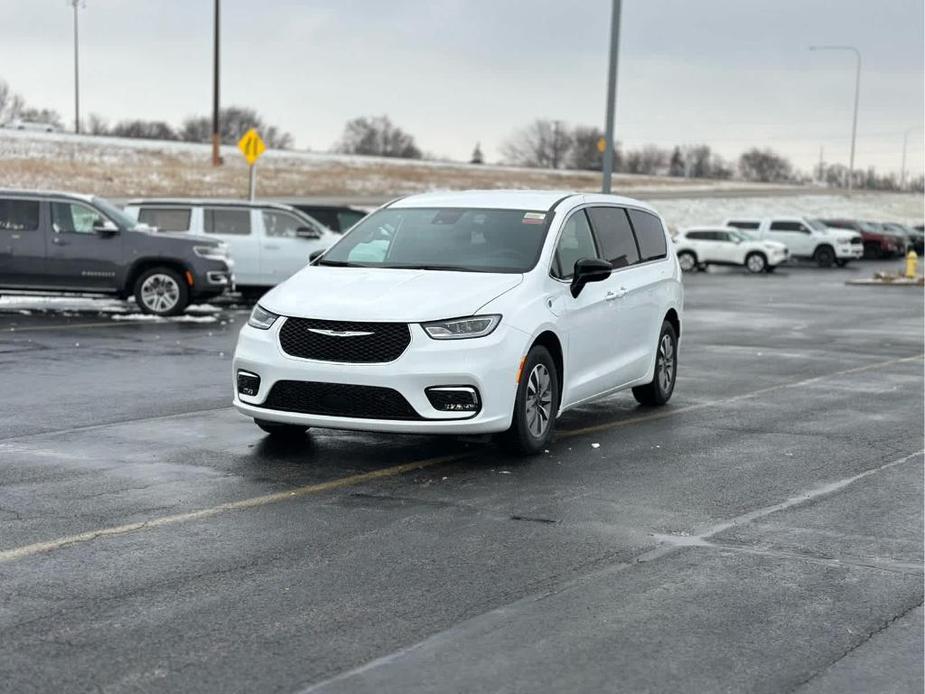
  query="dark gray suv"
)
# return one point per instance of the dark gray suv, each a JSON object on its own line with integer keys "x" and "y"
{"x": 63, "y": 242}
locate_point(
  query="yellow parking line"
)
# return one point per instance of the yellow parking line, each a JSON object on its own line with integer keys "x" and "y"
{"x": 253, "y": 502}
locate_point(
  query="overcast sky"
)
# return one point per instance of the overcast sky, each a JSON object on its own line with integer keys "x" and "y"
{"x": 730, "y": 73}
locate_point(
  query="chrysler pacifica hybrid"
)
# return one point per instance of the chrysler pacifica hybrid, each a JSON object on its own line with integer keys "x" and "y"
{"x": 468, "y": 313}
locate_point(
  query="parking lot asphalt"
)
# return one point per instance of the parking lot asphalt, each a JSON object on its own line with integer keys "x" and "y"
{"x": 761, "y": 533}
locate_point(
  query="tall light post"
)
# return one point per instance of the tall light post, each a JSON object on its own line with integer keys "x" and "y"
{"x": 76, "y": 4}
{"x": 611, "y": 94}
{"x": 902, "y": 171}
{"x": 216, "y": 135}
{"x": 857, "y": 91}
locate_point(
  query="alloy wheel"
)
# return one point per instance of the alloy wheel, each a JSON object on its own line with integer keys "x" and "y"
{"x": 160, "y": 293}
{"x": 687, "y": 262}
{"x": 665, "y": 366}
{"x": 539, "y": 401}
{"x": 756, "y": 263}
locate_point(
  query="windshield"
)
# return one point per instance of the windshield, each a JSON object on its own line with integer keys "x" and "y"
{"x": 469, "y": 240}
{"x": 816, "y": 224}
{"x": 115, "y": 214}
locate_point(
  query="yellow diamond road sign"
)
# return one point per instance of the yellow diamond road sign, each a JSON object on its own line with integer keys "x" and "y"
{"x": 602, "y": 145}
{"x": 251, "y": 146}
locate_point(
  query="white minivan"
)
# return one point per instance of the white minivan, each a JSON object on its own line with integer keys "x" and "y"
{"x": 268, "y": 242}
{"x": 468, "y": 313}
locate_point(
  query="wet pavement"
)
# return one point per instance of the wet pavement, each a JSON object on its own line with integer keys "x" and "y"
{"x": 761, "y": 533}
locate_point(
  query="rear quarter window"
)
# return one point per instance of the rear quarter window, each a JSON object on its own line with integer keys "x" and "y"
{"x": 743, "y": 224}
{"x": 166, "y": 218}
{"x": 649, "y": 234}
{"x": 19, "y": 215}
{"x": 227, "y": 221}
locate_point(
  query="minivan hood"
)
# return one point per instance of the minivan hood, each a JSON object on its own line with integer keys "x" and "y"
{"x": 378, "y": 294}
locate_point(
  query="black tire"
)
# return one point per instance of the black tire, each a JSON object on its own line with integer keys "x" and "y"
{"x": 658, "y": 391}
{"x": 161, "y": 291}
{"x": 756, "y": 262}
{"x": 824, "y": 256}
{"x": 770, "y": 268}
{"x": 282, "y": 431}
{"x": 688, "y": 261}
{"x": 841, "y": 263}
{"x": 537, "y": 393}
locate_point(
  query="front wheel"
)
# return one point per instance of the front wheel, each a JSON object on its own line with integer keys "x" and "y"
{"x": 535, "y": 405}
{"x": 687, "y": 261}
{"x": 658, "y": 391}
{"x": 756, "y": 262}
{"x": 824, "y": 256}
{"x": 161, "y": 291}
{"x": 841, "y": 263}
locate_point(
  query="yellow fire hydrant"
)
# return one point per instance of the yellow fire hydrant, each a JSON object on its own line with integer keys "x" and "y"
{"x": 912, "y": 265}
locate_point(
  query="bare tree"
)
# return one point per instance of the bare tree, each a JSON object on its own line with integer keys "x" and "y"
{"x": 765, "y": 166}
{"x": 234, "y": 122}
{"x": 477, "y": 157}
{"x": 41, "y": 115}
{"x": 676, "y": 165}
{"x": 377, "y": 136}
{"x": 542, "y": 144}
{"x": 96, "y": 125}
{"x": 648, "y": 160}
{"x": 585, "y": 153}
{"x": 150, "y": 130}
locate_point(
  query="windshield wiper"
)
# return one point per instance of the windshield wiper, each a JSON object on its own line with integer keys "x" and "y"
{"x": 338, "y": 263}
{"x": 447, "y": 268}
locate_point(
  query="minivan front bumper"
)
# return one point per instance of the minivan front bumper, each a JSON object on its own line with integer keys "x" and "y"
{"x": 488, "y": 364}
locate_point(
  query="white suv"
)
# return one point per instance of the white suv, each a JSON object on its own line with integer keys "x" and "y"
{"x": 806, "y": 237}
{"x": 698, "y": 247}
{"x": 468, "y": 313}
{"x": 268, "y": 242}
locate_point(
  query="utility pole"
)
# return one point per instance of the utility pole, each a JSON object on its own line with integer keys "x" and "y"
{"x": 611, "y": 94}
{"x": 216, "y": 136}
{"x": 857, "y": 91}
{"x": 821, "y": 163}
{"x": 76, "y": 4}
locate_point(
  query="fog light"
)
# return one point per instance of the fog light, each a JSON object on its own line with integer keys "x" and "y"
{"x": 463, "y": 399}
{"x": 248, "y": 383}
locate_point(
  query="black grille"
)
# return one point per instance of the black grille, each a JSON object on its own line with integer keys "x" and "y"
{"x": 386, "y": 342}
{"x": 339, "y": 400}
{"x": 856, "y": 240}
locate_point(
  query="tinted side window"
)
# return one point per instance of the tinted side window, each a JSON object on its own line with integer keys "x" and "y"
{"x": 166, "y": 218}
{"x": 698, "y": 235}
{"x": 347, "y": 218}
{"x": 281, "y": 224}
{"x": 227, "y": 221}
{"x": 788, "y": 226}
{"x": 575, "y": 242}
{"x": 614, "y": 235}
{"x": 743, "y": 225}
{"x": 19, "y": 215}
{"x": 649, "y": 234}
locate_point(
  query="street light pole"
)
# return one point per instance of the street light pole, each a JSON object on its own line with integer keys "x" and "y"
{"x": 611, "y": 95}
{"x": 857, "y": 92}
{"x": 216, "y": 136}
{"x": 76, "y": 4}
{"x": 902, "y": 174}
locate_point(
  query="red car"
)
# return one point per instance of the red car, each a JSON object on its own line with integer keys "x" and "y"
{"x": 877, "y": 242}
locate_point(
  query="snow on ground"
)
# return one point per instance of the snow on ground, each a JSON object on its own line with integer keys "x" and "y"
{"x": 116, "y": 309}
{"x": 881, "y": 207}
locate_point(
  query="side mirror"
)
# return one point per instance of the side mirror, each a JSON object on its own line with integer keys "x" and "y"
{"x": 313, "y": 256}
{"x": 105, "y": 228}
{"x": 308, "y": 233}
{"x": 589, "y": 270}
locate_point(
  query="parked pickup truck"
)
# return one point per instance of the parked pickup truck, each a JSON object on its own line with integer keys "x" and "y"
{"x": 69, "y": 243}
{"x": 806, "y": 238}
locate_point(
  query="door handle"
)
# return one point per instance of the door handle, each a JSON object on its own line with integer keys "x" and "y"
{"x": 615, "y": 294}
{"x": 271, "y": 246}
{"x": 59, "y": 241}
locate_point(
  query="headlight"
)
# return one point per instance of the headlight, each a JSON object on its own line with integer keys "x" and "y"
{"x": 261, "y": 318}
{"x": 212, "y": 252}
{"x": 461, "y": 328}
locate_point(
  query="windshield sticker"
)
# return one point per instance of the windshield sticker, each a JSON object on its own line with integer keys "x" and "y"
{"x": 534, "y": 217}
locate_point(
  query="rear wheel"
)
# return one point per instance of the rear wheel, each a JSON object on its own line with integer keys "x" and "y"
{"x": 535, "y": 405}
{"x": 687, "y": 261}
{"x": 658, "y": 391}
{"x": 161, "y": 291}
{"x": 756, "y": 262}
{"x": 279, "y": 430}
{"x": 824, "y": 256}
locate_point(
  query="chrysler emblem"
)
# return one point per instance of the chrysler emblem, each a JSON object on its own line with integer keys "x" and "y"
{"x": 339, "y": 333}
